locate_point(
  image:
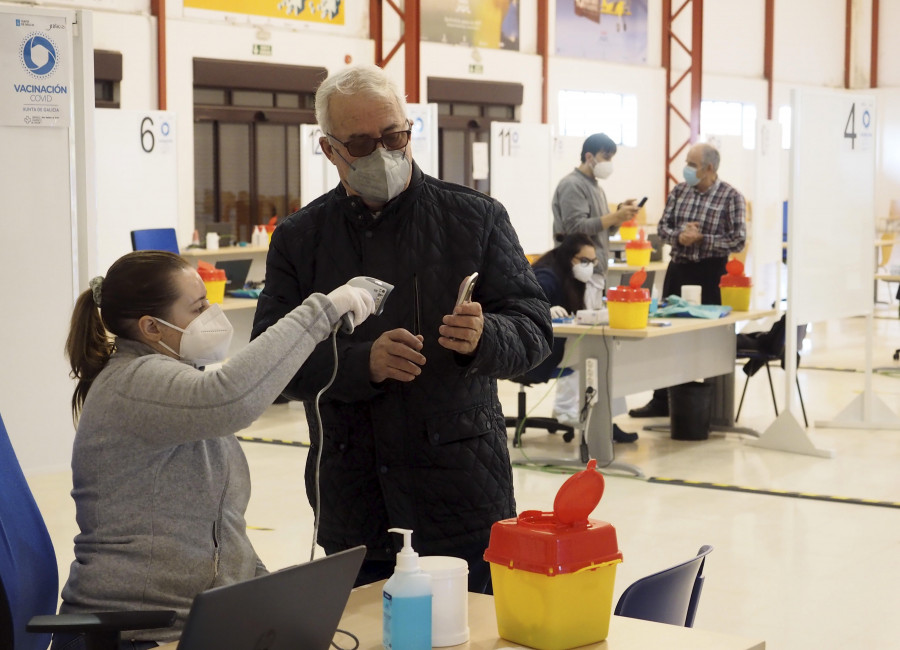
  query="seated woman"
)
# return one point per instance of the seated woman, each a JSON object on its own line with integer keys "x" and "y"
{"x": 160, "y": 482}
{"x": 563, "y": 273}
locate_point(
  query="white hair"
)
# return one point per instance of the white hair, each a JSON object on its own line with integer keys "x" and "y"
{"x": 358, "y": 80}
{"x": 709, "y": 155}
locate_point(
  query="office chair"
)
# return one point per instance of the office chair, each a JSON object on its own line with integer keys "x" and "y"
{"x": 155, "y": 239}
{"x": 543, "y": 372}
{"x": 29, "y": 582}
{"x": 669, "y": 596}
{"x": 760, "y": 348}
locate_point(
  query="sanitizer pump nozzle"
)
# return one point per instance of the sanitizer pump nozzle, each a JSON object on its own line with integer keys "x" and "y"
{"x": 407, "y": 601}
{"x": 407, "y": 558}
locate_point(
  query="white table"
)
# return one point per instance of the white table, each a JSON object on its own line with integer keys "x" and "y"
{"x": 633, "y": 361}
{"x": 362, "y": 617}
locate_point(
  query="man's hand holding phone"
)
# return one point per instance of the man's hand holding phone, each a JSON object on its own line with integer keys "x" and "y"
{"x": 461, "y": 330}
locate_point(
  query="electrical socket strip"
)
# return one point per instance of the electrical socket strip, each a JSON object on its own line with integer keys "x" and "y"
{"x": 592, "y": 379}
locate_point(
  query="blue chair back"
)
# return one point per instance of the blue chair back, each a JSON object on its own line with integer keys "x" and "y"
{"x": 670, "y": 596}
{"x": 29, "y": 578}
{"x": 155, "y": 239}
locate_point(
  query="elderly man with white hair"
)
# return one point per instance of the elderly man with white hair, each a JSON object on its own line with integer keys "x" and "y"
{"x": 703, "y": 221}
{"x": 414, "y": 434}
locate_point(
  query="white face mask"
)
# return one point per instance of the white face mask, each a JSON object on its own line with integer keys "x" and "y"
{"x": 583, "y": 271}
{"x": 603, "y": 169}
{"x": 381, "y": 175}
{"x": 206, "y": 338}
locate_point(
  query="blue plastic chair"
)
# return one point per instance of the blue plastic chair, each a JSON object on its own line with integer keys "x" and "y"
{"x": 670, "y": 596}
{"x": 155, "y": 239}
{"x": 29, "y": 579}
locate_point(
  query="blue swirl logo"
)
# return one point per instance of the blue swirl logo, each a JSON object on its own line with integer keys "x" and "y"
{"x": 39, "y": 55}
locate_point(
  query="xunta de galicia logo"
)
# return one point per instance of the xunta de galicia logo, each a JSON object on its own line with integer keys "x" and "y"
{"x": 38, "y": 54}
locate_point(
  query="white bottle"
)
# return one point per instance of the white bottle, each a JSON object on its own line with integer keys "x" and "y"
{"x": 407, "y": 601}
{"x": 212, "y": 241}
{"x": 254, "y": 238}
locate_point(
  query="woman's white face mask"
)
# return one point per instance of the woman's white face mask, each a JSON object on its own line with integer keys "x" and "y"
{"x": 206, "y": 338}
{"x": 583, "y": 271}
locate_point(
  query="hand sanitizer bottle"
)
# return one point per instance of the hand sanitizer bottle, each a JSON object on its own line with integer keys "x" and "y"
{"x": 407, "y": 601}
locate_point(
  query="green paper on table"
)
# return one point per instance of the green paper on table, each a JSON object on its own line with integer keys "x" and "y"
{"x": 678, "y": 307}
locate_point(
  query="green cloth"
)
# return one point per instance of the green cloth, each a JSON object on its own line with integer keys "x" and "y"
{"x": 678, "y": 307}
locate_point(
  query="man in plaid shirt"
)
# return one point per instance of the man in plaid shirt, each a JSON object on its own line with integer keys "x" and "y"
{"x": 703, "y": 221}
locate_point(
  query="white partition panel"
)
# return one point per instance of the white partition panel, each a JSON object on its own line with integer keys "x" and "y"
{"x": 39, "y": 261}
{"x": 764, "y": 252}
{"x": 831, "y": 217}
{"x": 831, "y": 231}
{"x": 317, "y": 174}
{"x": 424, "y": 119}
{"x": 137, "y": 178}
{"x": 520, "y": 180}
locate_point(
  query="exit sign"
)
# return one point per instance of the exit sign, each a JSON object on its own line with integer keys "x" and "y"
{"x": 262, "y": 49}
{"x": 476, "y": 68}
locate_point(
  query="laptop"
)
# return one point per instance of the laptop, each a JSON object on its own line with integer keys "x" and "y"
{"x": 236, "y": 272}
{"x": 292, "y": 609}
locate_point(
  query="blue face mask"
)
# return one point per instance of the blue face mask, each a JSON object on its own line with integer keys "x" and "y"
{"x": 690, "y": 175}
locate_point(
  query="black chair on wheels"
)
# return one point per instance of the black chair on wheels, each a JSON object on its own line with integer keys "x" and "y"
{"x": 521, "y": 421}
{"x": 543, "y": 372}
{"x": 761, "y": 348}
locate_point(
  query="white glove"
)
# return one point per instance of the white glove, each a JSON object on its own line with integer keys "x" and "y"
{"x": 353, "y": 300}
{"x": 558, "y": 312}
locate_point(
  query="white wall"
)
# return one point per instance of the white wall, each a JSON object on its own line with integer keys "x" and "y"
{"x": 887, "y": 160}
{"x": 809, "y": 42}
{"x": 723, "y": 54}
{"x": 888, "y": 44}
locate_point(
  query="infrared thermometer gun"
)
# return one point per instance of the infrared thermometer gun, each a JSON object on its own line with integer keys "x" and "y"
{"x": 379, "y": 291}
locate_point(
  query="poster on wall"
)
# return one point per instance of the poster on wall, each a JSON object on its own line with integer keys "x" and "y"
{"x": 614, "y": 31}
{"x": 330, "y": 12}
{"x": 34, "y": 70}
{"x": 491, "y": 24}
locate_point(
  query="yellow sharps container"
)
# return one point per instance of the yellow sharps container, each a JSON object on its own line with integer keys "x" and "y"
{"x": 553, "y": 572}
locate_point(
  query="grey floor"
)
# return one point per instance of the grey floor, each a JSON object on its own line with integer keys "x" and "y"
{"x": 802, "y": 574}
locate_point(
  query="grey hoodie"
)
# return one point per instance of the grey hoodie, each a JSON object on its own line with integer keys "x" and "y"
{"x": 161, "y": 483}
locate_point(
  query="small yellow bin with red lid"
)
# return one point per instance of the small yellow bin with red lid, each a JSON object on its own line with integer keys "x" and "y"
{"x": 553, "y": 572}
{"x": 214, "y": 279}
{"x": 735, "y": 286}
{"x": 637, "y": 251}
{"x": 629, "y": 306}
{"x": 628, "y": 230}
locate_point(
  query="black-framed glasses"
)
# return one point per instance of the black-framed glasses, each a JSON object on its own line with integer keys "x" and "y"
{"x": 363, "y": 146}
{"x": 588, "y": 260}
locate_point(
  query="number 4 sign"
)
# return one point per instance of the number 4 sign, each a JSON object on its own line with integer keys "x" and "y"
{"x": 859, "y": 128}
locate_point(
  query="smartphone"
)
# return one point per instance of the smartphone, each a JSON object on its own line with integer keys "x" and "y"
{"x": 465, "y": 291}
{"x": 659, "y": 323}
{"x": 643, "y": 201}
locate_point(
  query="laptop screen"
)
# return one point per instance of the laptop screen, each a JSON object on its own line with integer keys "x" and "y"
{"x": 298, "y": 607}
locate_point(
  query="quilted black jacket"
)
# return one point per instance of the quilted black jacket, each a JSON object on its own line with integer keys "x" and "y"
{"x": 430, "y": 454}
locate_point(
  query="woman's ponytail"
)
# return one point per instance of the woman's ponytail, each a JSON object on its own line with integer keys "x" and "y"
{"x": 88, "y": 345}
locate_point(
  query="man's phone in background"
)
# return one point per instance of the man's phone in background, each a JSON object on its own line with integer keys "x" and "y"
{"x": 643, "y": 201}
{"x": 466, "y": 289}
